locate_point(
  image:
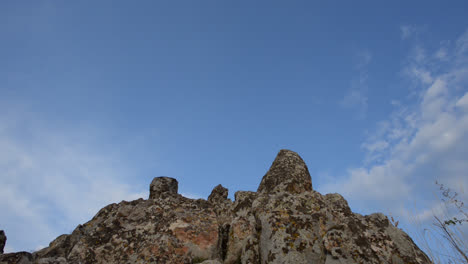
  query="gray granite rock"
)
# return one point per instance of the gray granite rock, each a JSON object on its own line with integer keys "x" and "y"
{"x": 218, "y": 194}
{"x": 17, "y": 258}
{"x": 211, "y": 262}
{"x": 285, "y": 221}
{"x": 288, "y": 173}
{"x": 162, "y": 187}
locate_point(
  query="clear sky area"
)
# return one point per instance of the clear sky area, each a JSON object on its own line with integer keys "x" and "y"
{"x": 99, "y": 97}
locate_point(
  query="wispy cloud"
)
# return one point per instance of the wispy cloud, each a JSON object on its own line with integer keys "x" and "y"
{"x": 441, "y": 54}
{"x": 363, "y": 59}
{"x": 192, "y": 195}
{"x": 356, "y": 96}
{"x": 407, "y": 31}
{"x": 421, "y": 142}
{"x": 356, "y": 99}
{"x": 53, "y": 180}
{"x": 462, "y": 46}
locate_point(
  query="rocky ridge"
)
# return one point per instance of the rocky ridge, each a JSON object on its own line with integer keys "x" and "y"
{"x": 285, "y": 221}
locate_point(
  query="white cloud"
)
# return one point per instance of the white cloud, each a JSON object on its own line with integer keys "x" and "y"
{"x": 379, "y": 182}
{"x": 462, "y": 45}
{"x": 192, "y": 195}
{"x": 421, "y": 142}
{"x": 418, "y": 54}
{"x": 375, "y": 146}
{"x": 407, "y": 31}
{"x": 463, "y": 102}
{"x": 441, "y": 54}
{"x": 374, "y": 150}
{"x": 419, "y": 74}
{"x": 434, "y": 100}
{"x": 51, "y": 182}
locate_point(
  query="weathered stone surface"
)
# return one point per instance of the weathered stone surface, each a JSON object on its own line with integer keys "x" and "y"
{"x": 218, "y": 194}
{"x": 17, "y": 258}
{"x": 211, "y": 262}
{"x": 161, "y": 187}
{"x": 288, "y": 173}
{"x": 284, "y": 222}
{"x": 243, "y": 200}
{"x": 3, "y": 239}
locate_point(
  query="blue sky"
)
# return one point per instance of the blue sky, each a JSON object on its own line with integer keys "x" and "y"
{"x": 99, "y": 97}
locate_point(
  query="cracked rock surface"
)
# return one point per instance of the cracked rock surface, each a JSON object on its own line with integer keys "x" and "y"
{"x": 285, "y": 221}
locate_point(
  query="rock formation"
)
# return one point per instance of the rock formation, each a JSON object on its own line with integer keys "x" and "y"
{"x": 285, "y": 221}
{"x": 163, "y": 187}
{"x": 2, "y": 240}
{"x": 288, "y": 173}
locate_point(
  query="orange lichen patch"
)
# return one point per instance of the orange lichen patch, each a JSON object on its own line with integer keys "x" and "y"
{"x": 154, "y": 250}
{"x": 181, "y": 251}
{"x": 205, "y": 239}
{"x": 241, "y": 229}
{"x": 188, "y": 233}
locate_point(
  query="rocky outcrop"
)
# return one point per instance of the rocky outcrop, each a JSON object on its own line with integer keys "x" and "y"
{"x": 285, "y": 221}
{"x": 162, "y": 187}
{"x": 2, "y": 241}
{"x": 218, "y": 194}
{"x": 288, "y": 173}
{"x": 18, "y": 257}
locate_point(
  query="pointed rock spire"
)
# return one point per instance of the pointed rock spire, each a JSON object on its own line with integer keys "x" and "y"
{"x": 219, "y": 193}
{"x": 287, "y": 173}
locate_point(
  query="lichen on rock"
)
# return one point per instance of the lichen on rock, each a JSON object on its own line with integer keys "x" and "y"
{"x": 288, "y": 173}
{"x": 285, "y": 221}
{"x": 218, "y": 194}
{"x": 163, "y": 186}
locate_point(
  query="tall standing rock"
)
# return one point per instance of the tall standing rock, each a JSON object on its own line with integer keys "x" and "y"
{"x": 287, "y": 173}
{"x": 161, "y": 187}
{"x": 2, "y": 240}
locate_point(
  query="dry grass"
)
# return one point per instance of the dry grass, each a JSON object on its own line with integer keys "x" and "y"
{"x": 445, "y": 240}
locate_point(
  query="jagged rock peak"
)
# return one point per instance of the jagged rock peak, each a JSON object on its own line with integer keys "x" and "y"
{"x": 161, "y": 187}
{"x": 287, "y": 173}
{"x": 2, "y": 240}
{"x": 219, "y": 193}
